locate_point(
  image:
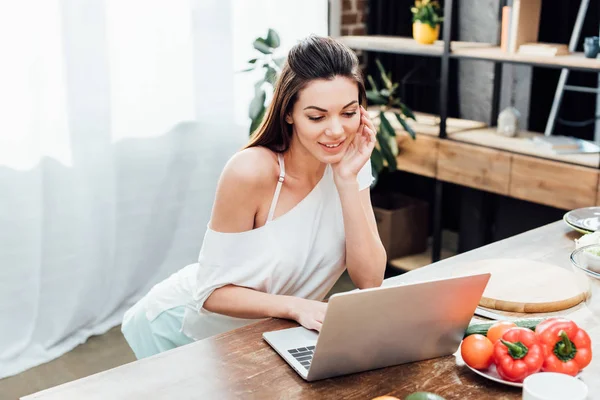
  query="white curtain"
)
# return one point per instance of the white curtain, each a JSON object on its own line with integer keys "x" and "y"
{"x": 116, "y": 118}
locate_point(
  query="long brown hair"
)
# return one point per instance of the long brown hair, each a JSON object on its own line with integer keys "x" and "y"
{"x": 312, "y": 58}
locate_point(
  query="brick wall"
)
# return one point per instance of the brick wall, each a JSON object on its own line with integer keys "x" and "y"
{"x": 354, "y": 22}
{"x": 354, "y": 17}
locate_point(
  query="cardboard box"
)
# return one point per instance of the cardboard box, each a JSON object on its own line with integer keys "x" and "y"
{"x": 403, "y": 223}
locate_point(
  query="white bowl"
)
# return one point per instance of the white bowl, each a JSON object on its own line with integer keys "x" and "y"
{"x": 553, "y": 386}
{"x": 586, "y": 266}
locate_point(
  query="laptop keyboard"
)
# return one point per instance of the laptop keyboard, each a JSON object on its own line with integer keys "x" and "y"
{"x": 303, "y": 355}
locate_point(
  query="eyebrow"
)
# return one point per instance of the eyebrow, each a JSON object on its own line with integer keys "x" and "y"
{"x": 324, "y": 110}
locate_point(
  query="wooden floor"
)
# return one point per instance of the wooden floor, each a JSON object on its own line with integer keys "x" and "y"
{"x": 98, "y": 354}
{"x": 110, "y": 350}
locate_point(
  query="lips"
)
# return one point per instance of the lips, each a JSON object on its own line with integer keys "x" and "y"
{"x": 332, "y": 147}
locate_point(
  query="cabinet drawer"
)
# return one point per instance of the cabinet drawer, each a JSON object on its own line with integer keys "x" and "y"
{"x": 474, "y": 166}
{"x": 553, "y": 183}
{"x": 418, "y": 156}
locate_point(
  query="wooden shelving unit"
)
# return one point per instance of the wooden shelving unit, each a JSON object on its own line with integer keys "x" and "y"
{"x": 475, "y": 156}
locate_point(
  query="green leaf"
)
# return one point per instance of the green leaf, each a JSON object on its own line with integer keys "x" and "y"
{"x": 256, "y": 121}
{"x": 248, "y": 69}
{"x": 258, "y": 87}
{"x": 253, "y": 61}
{"x": 272, "y": 39}
{"x": 405, "y": 125}
{"x": 386, "y": 124}
{"x": 279, "y": 61}
{"x": 376, "y": 161}
{"x": 385, "y": 93}
{"x": 270, "y": 75}
{"x": 257, "y": 104}
{"x": 384, "y": 77}
{"x": 372, "y": 83}
{"x": 407, "y": 111}
{"x": 260, "y": 45}
{"x": 387, "y": 152}
{"x": 376, "y": 98}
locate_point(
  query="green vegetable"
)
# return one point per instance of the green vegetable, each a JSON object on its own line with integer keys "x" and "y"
{"x": 595, "y": 251}
{"x": 423, "y": 396}
{"x": 483, "y": 327}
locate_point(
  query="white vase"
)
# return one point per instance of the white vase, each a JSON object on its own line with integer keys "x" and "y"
{"x": 508, "y": 122}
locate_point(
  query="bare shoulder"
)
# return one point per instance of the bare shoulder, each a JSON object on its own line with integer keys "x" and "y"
{"x": 253, "y": 166}
{"x": 246, "y": 179}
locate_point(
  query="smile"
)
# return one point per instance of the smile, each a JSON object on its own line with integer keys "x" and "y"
{"x": 332, "y": 147}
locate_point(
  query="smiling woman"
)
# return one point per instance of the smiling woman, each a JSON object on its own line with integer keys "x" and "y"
{"x": 291, "y": 212}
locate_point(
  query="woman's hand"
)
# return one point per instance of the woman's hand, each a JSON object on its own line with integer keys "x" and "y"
{"x": 358, "y": 151}
{"x": 308, "y": 313}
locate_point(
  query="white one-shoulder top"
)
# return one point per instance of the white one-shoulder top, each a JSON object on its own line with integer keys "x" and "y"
{"x": 301, "y": 253}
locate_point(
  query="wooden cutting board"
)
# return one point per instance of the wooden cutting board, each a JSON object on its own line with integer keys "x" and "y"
{"x": 526, "y": 286}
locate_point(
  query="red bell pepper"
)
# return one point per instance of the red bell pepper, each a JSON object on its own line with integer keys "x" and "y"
{"x": 567, "y": 347}
{"x": 518, "y": 354}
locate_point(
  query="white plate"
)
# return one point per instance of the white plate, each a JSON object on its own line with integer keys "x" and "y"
{"x": 587, "y": 218}
{"x": 489, "y": 373}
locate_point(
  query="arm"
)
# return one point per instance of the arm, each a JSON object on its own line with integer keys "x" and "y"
{"x": 365, "y": 255}
{"x": 248, "y": 178}
{"x": 241, "y": 302}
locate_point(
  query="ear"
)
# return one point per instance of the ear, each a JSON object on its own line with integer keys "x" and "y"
{"x": 289, "y": 119}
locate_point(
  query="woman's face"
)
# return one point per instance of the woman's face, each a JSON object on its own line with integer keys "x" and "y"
{"x": 325, "y": 117}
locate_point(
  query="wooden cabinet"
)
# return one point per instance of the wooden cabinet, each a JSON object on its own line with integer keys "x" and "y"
{"x": 474, "y": 166}
{"x": 418, "y": 156}
{"x": 553, "y": 183}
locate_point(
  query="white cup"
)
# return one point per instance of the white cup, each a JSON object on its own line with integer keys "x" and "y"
{"x": 553, "y": 386}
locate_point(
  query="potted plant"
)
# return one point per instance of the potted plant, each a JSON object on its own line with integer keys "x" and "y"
{"x": 402, "y": 221}
{"x": 426, "y": 21}
{"x": 266, "y": 48}
{"x": 387, "y": 101}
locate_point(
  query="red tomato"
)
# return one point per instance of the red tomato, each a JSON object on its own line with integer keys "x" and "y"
{"x": 497, "y": 330}
{"x": 477, "y": 351}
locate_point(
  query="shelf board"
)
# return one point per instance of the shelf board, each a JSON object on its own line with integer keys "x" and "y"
{"x": 428, "y": 124}
{"x": 467, "y": 50}
{"x": 403, "y": 45}
{"x": 416, "y": 261}
{"x": 494, "y": 53}
{"x": 522, "y": 144}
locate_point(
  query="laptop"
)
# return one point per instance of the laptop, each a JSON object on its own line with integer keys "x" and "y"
{"x": 380, "y": 327}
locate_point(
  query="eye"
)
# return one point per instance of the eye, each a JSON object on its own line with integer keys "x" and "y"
{"x": 350, "y": 114}
{"x": 315, "y": 118}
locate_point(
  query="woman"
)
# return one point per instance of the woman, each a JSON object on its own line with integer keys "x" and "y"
{"x": 292, "y": 211}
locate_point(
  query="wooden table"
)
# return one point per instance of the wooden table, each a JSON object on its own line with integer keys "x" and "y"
{"x": 239, "y": 364}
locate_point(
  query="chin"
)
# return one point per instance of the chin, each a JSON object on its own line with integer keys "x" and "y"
{"x": 329, "y": 158}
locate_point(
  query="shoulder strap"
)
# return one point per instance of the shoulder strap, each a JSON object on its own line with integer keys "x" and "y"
{"x": 278, "y": 188}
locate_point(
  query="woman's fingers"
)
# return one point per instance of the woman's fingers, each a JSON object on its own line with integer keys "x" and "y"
{"x": 318, "y": 326}
{"x": 369, "y": 124}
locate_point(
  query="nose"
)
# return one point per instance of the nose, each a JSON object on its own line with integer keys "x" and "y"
{"x": 335, "y": 129}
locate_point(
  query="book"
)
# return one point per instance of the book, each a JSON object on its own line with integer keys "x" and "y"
{"x": 524, "y": 23}
{"x": 544, "y": 49}
{"x": 506, "y": 12}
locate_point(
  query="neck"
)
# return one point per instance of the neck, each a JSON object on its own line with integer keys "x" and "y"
{"x": 300, "y": 164}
